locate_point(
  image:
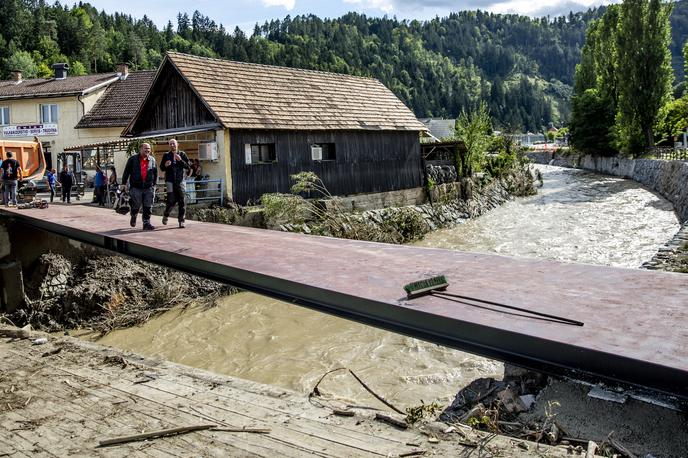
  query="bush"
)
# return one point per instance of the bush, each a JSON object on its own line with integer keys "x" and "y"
{"x": 284, "y": 208}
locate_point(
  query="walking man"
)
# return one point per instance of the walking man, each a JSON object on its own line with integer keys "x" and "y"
{"x": 11, "y": 175}
{"x": 174, "y": 163}
{"x": 52, "y": 177}
{"x": 66, "y": 180}
{"x": 142, "y": 174}
{"x": 99, "y": 186}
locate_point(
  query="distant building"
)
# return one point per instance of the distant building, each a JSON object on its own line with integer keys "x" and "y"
{"x": 439, "y": 128}
{"x": 255, "y": 125}
{"x": 49, "y": 108}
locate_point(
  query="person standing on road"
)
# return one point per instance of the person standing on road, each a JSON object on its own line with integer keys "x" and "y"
{"x": 175, "y": 163}
{"x": 52, "y": 177}
{"x": 66, "y": 180}
{"x": 11, "y": 175}
{"x": 99, "y": 186}
{"x": 141, "y": 174}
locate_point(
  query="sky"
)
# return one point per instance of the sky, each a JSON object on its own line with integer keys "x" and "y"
{"x": 246, "y": 13}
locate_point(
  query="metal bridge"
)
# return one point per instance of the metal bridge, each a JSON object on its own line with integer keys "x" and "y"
{"x": 635, "y": 322}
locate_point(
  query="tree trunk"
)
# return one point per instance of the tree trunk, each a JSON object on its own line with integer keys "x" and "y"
{"x": 649, "y": 137}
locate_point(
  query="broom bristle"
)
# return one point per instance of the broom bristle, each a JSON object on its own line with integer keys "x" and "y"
{"x": 424, "y": 286}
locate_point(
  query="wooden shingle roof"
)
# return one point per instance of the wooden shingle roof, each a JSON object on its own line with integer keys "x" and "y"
{"x": 254, "y": 96}
{"x": 119, "y": 103}
{"x": 51, "y": 87}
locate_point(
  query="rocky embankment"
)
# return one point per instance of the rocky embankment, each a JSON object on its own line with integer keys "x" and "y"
{"x": 405, "y": 224}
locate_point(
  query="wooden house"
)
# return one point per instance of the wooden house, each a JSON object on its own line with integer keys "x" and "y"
{"x": 259, "y": 124}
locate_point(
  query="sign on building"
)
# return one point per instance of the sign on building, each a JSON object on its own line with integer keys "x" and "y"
{"x": 29, "y": 130}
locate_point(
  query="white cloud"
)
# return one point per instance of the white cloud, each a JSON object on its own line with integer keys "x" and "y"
{"x": 527, "y": 7}
{"x": 286, "y": 4}
{"x": 386, "y": 6}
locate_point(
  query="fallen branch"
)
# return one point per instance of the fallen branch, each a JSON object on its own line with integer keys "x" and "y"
{"x": 391, "y": 420}
{"x": 243, "y": 430}
{"x": 343, "y": 413}
{"x": 154, "y": 435}
{"x": 379, "y": 398}
{"x": 15, "y": 333}
{"x": 413, "y": 453}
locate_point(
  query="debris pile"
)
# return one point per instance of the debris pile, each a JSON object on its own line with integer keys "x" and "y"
{"x": 105, "y": 291}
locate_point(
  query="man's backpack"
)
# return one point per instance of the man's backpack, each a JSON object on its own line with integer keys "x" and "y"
{"x": 121, "y": 205}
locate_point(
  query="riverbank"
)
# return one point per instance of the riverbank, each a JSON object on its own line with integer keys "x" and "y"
{"x": 98, "y": 394}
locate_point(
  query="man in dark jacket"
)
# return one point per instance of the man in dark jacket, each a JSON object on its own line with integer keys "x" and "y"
{"x": 66, "y": 180}
{"x": 11, "y": 173}
{"x": 142, "y": 174}
{"x": 175, "y": 163}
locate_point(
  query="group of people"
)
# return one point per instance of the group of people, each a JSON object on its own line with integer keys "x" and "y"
{"x": 141, "y": 174}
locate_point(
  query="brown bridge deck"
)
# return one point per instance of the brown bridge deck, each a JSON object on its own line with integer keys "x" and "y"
{"x": 635, "y": 327}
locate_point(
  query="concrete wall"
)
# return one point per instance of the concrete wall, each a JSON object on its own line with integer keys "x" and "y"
{"x": 667, "y": 178}
{"x": 402, "y": 198}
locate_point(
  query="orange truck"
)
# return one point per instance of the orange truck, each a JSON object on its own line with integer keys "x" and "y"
{"x": 29, "y": 154}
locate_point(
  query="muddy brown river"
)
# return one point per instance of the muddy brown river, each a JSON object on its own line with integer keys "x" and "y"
{"x": 576, "y": 217}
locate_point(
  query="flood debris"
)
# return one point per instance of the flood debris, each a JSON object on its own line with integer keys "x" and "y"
{"x": 105, "y": 291}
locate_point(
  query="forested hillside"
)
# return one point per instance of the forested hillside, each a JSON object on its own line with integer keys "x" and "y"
{"x": 521, "y": 67}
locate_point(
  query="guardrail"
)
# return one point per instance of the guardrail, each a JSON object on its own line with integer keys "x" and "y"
{"x": 198, "y": 191}
{"x": 667, "y": 153}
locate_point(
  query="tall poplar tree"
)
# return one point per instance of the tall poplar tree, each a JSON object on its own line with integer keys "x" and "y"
{"x": 643, "y": 70}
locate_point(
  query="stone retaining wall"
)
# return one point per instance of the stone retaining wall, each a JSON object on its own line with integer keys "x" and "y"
{"x": 667, "y": 178}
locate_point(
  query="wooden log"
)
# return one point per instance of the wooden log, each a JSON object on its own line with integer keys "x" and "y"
{"x": 343, "y": 413}
{"x": 154, "y": 434}
{"x": 391, "y": 420}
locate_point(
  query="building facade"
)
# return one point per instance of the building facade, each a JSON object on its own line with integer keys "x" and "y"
{"x": 259, "y": 124}
{"x": 50, "y": 108}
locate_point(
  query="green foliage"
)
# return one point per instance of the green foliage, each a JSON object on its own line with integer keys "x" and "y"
{"x": 407, "y": 224}
{"x": 22, "y": 61}
{"x": 438, "y": 67}
{"x": 284, "y": 208}
{"x": 474, "y": 129}
{"x": 643, "y": 36}
{"x": 592, "y": 123}
{"x": 624, "y": 78}
{"x": 76, "y": 68}
{"x": 672, "y": 119}
{"x": 415, "y": 414}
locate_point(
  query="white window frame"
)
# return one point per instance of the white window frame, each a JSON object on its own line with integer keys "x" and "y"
{"x": 4, "y": 121}
{"x": 50, "y": 112}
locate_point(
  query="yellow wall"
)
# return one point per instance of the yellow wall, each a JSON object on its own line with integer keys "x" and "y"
{"x": 70, "y": 111}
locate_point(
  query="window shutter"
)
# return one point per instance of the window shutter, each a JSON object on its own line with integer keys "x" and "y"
{"x": 247, "y": 153}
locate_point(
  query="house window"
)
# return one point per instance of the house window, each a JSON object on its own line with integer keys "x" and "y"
{"x": 4, "y": 116}
{"x": 323, "y": 152}
{"x": 260, "y": 153}
{"x": 49, "y": 114}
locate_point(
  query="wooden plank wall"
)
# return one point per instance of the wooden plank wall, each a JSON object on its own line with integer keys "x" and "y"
{"x": 366, "y": 162}
{"x": 173, "y": 105}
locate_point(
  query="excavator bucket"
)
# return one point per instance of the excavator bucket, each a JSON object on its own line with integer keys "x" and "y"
{"x": 29, "y": 154}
